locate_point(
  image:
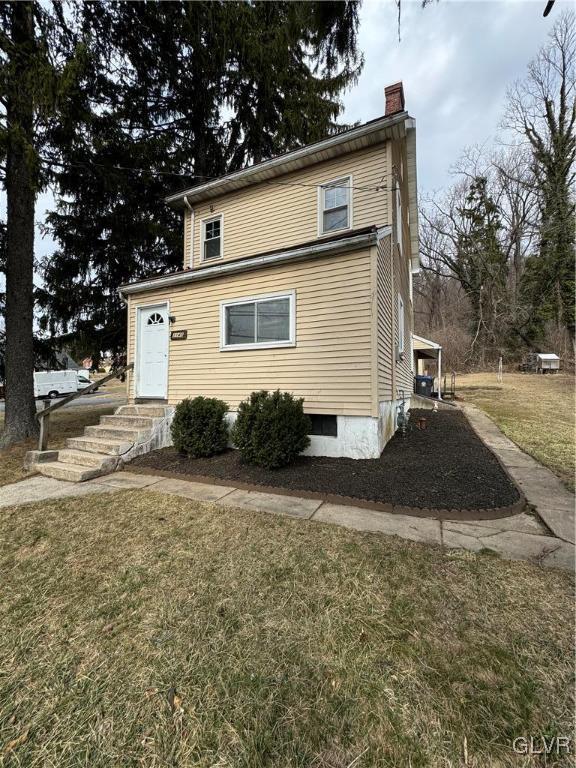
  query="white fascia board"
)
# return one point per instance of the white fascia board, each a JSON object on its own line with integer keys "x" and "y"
{"x": 413, "y": 194}
{"x": 233, "y": 267}
{"x": 383, "y": 232}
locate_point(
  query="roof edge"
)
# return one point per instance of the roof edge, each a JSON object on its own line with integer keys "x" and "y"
{"x": 432, "y": 344}
{"x": 353, "y": 243}
{"x": 276, "y": 163}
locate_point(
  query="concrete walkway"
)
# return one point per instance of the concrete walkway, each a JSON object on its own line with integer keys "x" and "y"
{"x": 521, "y": 537}
{"x": 542, "y": 489}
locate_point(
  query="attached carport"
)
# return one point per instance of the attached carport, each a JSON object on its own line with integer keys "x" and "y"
{"x": 428, "y": 354}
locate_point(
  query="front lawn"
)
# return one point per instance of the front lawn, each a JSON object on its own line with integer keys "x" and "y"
{"x": 535, "y": 411}
{"x": 66, "y": 422}
{"x": 141, "y": 629}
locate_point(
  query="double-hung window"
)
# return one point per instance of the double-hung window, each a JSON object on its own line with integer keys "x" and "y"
{"x": 212, "y": 238}
{"x": 258, "y": 322}
{"x": 335, "y": 206}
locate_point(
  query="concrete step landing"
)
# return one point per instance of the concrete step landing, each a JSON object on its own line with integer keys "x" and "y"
{"x": 75, "y": 473}
{"x": 152, "y": 411}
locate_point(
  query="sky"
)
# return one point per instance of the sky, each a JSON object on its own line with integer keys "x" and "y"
{"x": 455, "y": 58}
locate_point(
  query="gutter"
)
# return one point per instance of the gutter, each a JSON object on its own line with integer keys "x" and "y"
{"x": 354, "y": 243}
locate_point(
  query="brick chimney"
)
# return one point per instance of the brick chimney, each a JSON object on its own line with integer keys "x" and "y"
{"x": 394, "y": 98}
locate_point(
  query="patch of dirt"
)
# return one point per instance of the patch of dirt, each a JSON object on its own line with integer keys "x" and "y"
{"x": 444, "y": 466}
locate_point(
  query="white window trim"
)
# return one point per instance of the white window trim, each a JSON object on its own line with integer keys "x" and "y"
{"x": 203, "y": 223}
{"x": 401, "y": 325}
{"x": 350, "y": 183}
{"x": 291, "y": 342}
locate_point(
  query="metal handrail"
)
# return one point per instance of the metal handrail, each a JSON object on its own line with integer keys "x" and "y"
{"x": 43, "y": 416}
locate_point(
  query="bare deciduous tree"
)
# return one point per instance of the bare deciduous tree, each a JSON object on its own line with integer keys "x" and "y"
{"x": 542, "y": 112}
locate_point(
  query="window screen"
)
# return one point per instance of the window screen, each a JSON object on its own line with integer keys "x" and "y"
{"x": 258, "y": 322}
{"x": 336, "y": 205}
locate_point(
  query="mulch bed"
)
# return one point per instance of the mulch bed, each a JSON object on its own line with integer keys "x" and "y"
{"x": 442, "y": 467}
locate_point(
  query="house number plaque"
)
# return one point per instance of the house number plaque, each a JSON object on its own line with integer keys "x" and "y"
{"x": 178, "y": 335}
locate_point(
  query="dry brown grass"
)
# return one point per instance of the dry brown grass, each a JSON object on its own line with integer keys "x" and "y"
{"x": 535, "y": 411}
{"x": 140, "y": 629}
{"x": 113, "y": 387}
{"x": 67, "y": 422}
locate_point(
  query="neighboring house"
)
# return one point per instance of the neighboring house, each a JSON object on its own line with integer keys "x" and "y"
{"x": 59, "y": 360}
{"x": 297, "y": 275}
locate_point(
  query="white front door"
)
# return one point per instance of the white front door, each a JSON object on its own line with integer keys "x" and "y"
{"x": 152, "y": 346}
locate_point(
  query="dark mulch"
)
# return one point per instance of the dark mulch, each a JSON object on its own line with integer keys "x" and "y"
{"x": 444, "y": 466}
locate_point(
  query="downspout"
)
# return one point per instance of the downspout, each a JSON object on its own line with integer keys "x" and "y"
{"x": 128, "y": 373}
{"x": 393, "y": 299}
{"x": 191, "y": 209}
{"x": 440, "y": 374}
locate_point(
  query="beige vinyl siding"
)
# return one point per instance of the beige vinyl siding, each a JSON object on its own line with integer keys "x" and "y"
{"x": 393, "y": 278}
{"x": 404, "y": 375}
{"x": 385, "y": 319}
{"x": 284, "y": 213}
{"x": 401, "y": 277}
{"x": 331, "y": 364}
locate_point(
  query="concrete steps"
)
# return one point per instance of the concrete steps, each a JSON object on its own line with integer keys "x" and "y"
{"x": 96, "y": 445}
{"x": 116, "y": 433}
{"x": 99, "y": 451}
{"x": 152, "y": 411}
{"x": 134, "y": 422}
{"x": 88, "y": 459}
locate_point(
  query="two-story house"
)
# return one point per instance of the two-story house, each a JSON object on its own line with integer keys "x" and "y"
{"x": 296, "y": 275}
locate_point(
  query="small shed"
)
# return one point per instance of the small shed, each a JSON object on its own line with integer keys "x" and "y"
{"x": 547, "y": 363}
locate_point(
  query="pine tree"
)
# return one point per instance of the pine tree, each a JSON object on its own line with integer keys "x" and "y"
{"x": 19, "y": 50}
{"x": 40, "y": 60}
{"x": 197, "y": 89}
{"x": 483, "y": 266}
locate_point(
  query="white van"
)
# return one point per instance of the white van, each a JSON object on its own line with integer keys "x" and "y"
{"x": 59, "y": 383}
{"x": 83, "y": 379}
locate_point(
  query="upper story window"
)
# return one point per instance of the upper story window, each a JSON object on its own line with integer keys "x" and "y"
{"x": 212, "y": 234}
{"x": 258, "y": 322}
{"x": 335, "y": 208}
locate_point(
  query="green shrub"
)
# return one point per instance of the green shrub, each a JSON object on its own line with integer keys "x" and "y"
{"x": 271, "y": 429}
{"x": 199, "y": 427}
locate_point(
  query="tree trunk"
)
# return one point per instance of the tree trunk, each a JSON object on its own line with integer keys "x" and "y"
{"x": 21, "y": 193}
